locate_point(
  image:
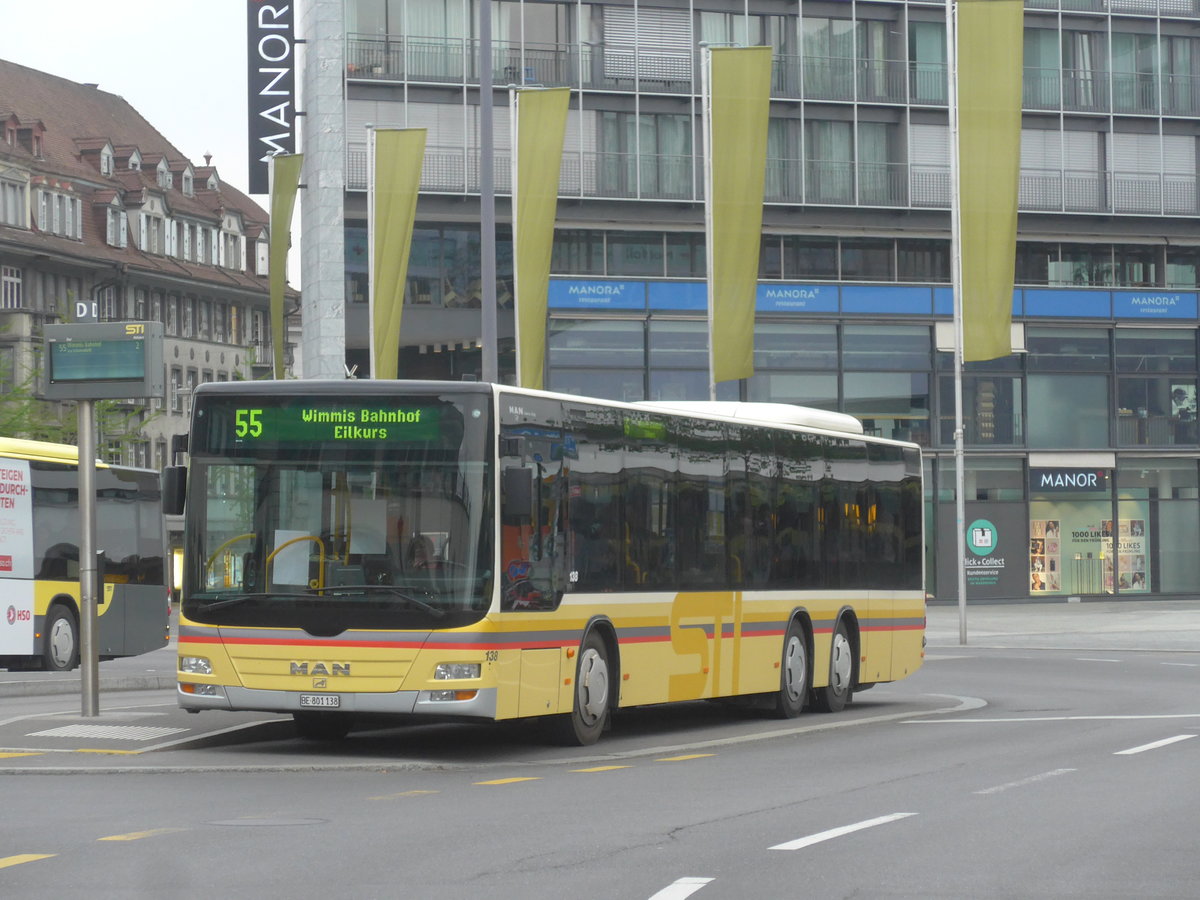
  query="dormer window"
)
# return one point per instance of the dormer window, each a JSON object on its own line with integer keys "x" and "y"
{"x": 116, "y": 226}
{"x": 188, "y": 187}
{"x": 59, "y": 214}
{"x": 165, "y": 179}
{"x": 106, "y": 162}
{"x": 135, "y": 161}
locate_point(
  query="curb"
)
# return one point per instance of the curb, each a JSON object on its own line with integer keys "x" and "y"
{"x": 45, "y": 687}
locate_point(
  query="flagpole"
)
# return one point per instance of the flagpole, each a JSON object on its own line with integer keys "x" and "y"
{"x": 371, "y": 250}
{"x": 514, "y": 100}
{"x": 489, "y": 325}
{"x": 960, "y": 504}
{"x": 705, "y": 127}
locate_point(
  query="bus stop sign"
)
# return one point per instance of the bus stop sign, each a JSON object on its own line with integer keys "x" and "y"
{"x": 104, "y": 361}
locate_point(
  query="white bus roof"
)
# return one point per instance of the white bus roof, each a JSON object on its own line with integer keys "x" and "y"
{"x": 773, "y": 413}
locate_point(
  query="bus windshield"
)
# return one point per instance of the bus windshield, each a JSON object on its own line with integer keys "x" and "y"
{"x": 315, "y": 513}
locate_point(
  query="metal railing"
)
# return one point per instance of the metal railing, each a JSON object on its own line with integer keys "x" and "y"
{"x": 596, "y": 67}
{"x": 1178, "y": 8}
{"x": 626, "y": 176}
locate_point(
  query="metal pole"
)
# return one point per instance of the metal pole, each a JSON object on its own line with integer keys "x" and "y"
{"x": 960, "y": 502}
{"x": 371, "y": 301}
{"x": 705, "y": 130}
{"x": 487, "y": 201}
{"x": 89, "y": 664}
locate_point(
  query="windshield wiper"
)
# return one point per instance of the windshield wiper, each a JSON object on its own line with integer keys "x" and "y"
{"x": 389, "y": 590}
{"x": 339, "y": 591}
{"x": 237, "y": 600}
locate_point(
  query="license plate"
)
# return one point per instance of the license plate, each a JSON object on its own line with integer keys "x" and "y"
{"x": 320, "y": 701}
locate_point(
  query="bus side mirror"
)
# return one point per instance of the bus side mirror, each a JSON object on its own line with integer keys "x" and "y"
{"x": 516, "y": 496}
{"x": 174, "y": 490}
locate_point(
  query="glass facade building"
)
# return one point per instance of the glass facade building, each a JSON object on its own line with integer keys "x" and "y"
{"x": 1081, "y": 449}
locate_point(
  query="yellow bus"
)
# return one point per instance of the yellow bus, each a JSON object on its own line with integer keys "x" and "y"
{"x": 39, "y": 558}
{"x": 475, "y": 551}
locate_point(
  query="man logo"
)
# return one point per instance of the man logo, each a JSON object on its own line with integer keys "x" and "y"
{"x": 320, "y": 668}
{"x": 320, "y": 682}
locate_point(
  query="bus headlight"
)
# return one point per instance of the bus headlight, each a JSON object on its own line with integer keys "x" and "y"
{"x": 195, "y": 665}
{"x": 456, "y": 671}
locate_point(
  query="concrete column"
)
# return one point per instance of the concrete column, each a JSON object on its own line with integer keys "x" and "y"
{"x": 321, "y": 23}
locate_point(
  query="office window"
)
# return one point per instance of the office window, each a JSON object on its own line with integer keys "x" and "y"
{"x": 635, "y": 253}
{"x": 578, "y": 252}
{"x": 810, "y": 258}
{"x": 866, "y": 259}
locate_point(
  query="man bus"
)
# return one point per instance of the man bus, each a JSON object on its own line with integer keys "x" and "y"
{"x": 470, "y": 550}
{"x": 39, "y": 558}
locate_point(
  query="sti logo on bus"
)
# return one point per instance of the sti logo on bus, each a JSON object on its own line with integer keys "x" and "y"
{"x": 135, "y": 328}
{"x": 320, "y": 668}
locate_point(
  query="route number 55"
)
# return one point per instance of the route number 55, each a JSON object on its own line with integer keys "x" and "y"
{"x": 247, "y": 423}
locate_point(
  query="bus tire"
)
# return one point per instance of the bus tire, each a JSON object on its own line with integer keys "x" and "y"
{"x": 322, "y": 726}
{"x": 60, "y": 641}
{"x": 583, "y": 725}
{"x": 835, "y": 695}
{"x": 793, "y": 674}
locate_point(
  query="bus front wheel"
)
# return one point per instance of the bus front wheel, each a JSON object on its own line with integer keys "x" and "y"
{"x": 835, "y": 695}
{"x": 589, "y": 709}
{"x": 60, "y": 650}
{"x": 793, "y": 675}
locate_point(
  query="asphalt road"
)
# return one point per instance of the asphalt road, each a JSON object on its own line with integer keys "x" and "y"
{"x": 995, "y": 771}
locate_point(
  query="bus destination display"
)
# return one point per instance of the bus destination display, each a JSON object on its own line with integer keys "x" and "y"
{"x": 348, "y": 423}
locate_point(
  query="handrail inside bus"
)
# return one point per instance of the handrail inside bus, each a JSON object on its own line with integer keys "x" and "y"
{"x": 249, "y": 535}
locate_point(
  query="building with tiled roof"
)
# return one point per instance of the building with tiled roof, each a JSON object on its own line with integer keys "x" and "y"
{"x": 97, "y": 206}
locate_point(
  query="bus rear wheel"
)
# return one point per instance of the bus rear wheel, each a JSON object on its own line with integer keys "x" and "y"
{"x": 583, "y": 725}
{"x": 322, "y": 726}
{"x": 793, "y": 675}
{"x": 835, "y": 695}
{"x": 60, "y": 648}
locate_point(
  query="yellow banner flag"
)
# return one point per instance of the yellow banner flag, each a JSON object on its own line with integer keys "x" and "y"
{"x": 397, "y": 157}
{"x": 539, "y": 124}
{"x": 285, "y": 178}
{"x": 989, "y": 50}
{"x": 739, "y": 110}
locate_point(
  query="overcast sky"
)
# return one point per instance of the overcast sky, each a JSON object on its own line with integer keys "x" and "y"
{"x": 180, "y": 63}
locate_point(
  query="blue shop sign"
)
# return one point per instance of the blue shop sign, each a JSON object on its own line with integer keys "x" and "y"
{"x": 884, "y": 299}
{"x": 807, "y": 298}
{"x": 678, "y": 295}
{"x": 573, "y": 294}
{"x": 1153, "y": 305}
{"x": 1068, "y": 304}
{"x": 943, "y": 302}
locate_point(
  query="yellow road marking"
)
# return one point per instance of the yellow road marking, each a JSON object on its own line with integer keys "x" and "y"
{"x": 682, "y": 758}
{"x": 138, "y": 835}
{"x": 7, "y": 861}
{"x": 602, "y": 768}
{"x": 113, "y": 752}
{"x": 507, "y": 780}
{"x": 402, "y": 794}
{"x": 15, "y": 755}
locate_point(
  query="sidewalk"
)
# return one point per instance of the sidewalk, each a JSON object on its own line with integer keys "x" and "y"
{"x": 149, "y": 671}
{"x": 1100, "y": 625}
